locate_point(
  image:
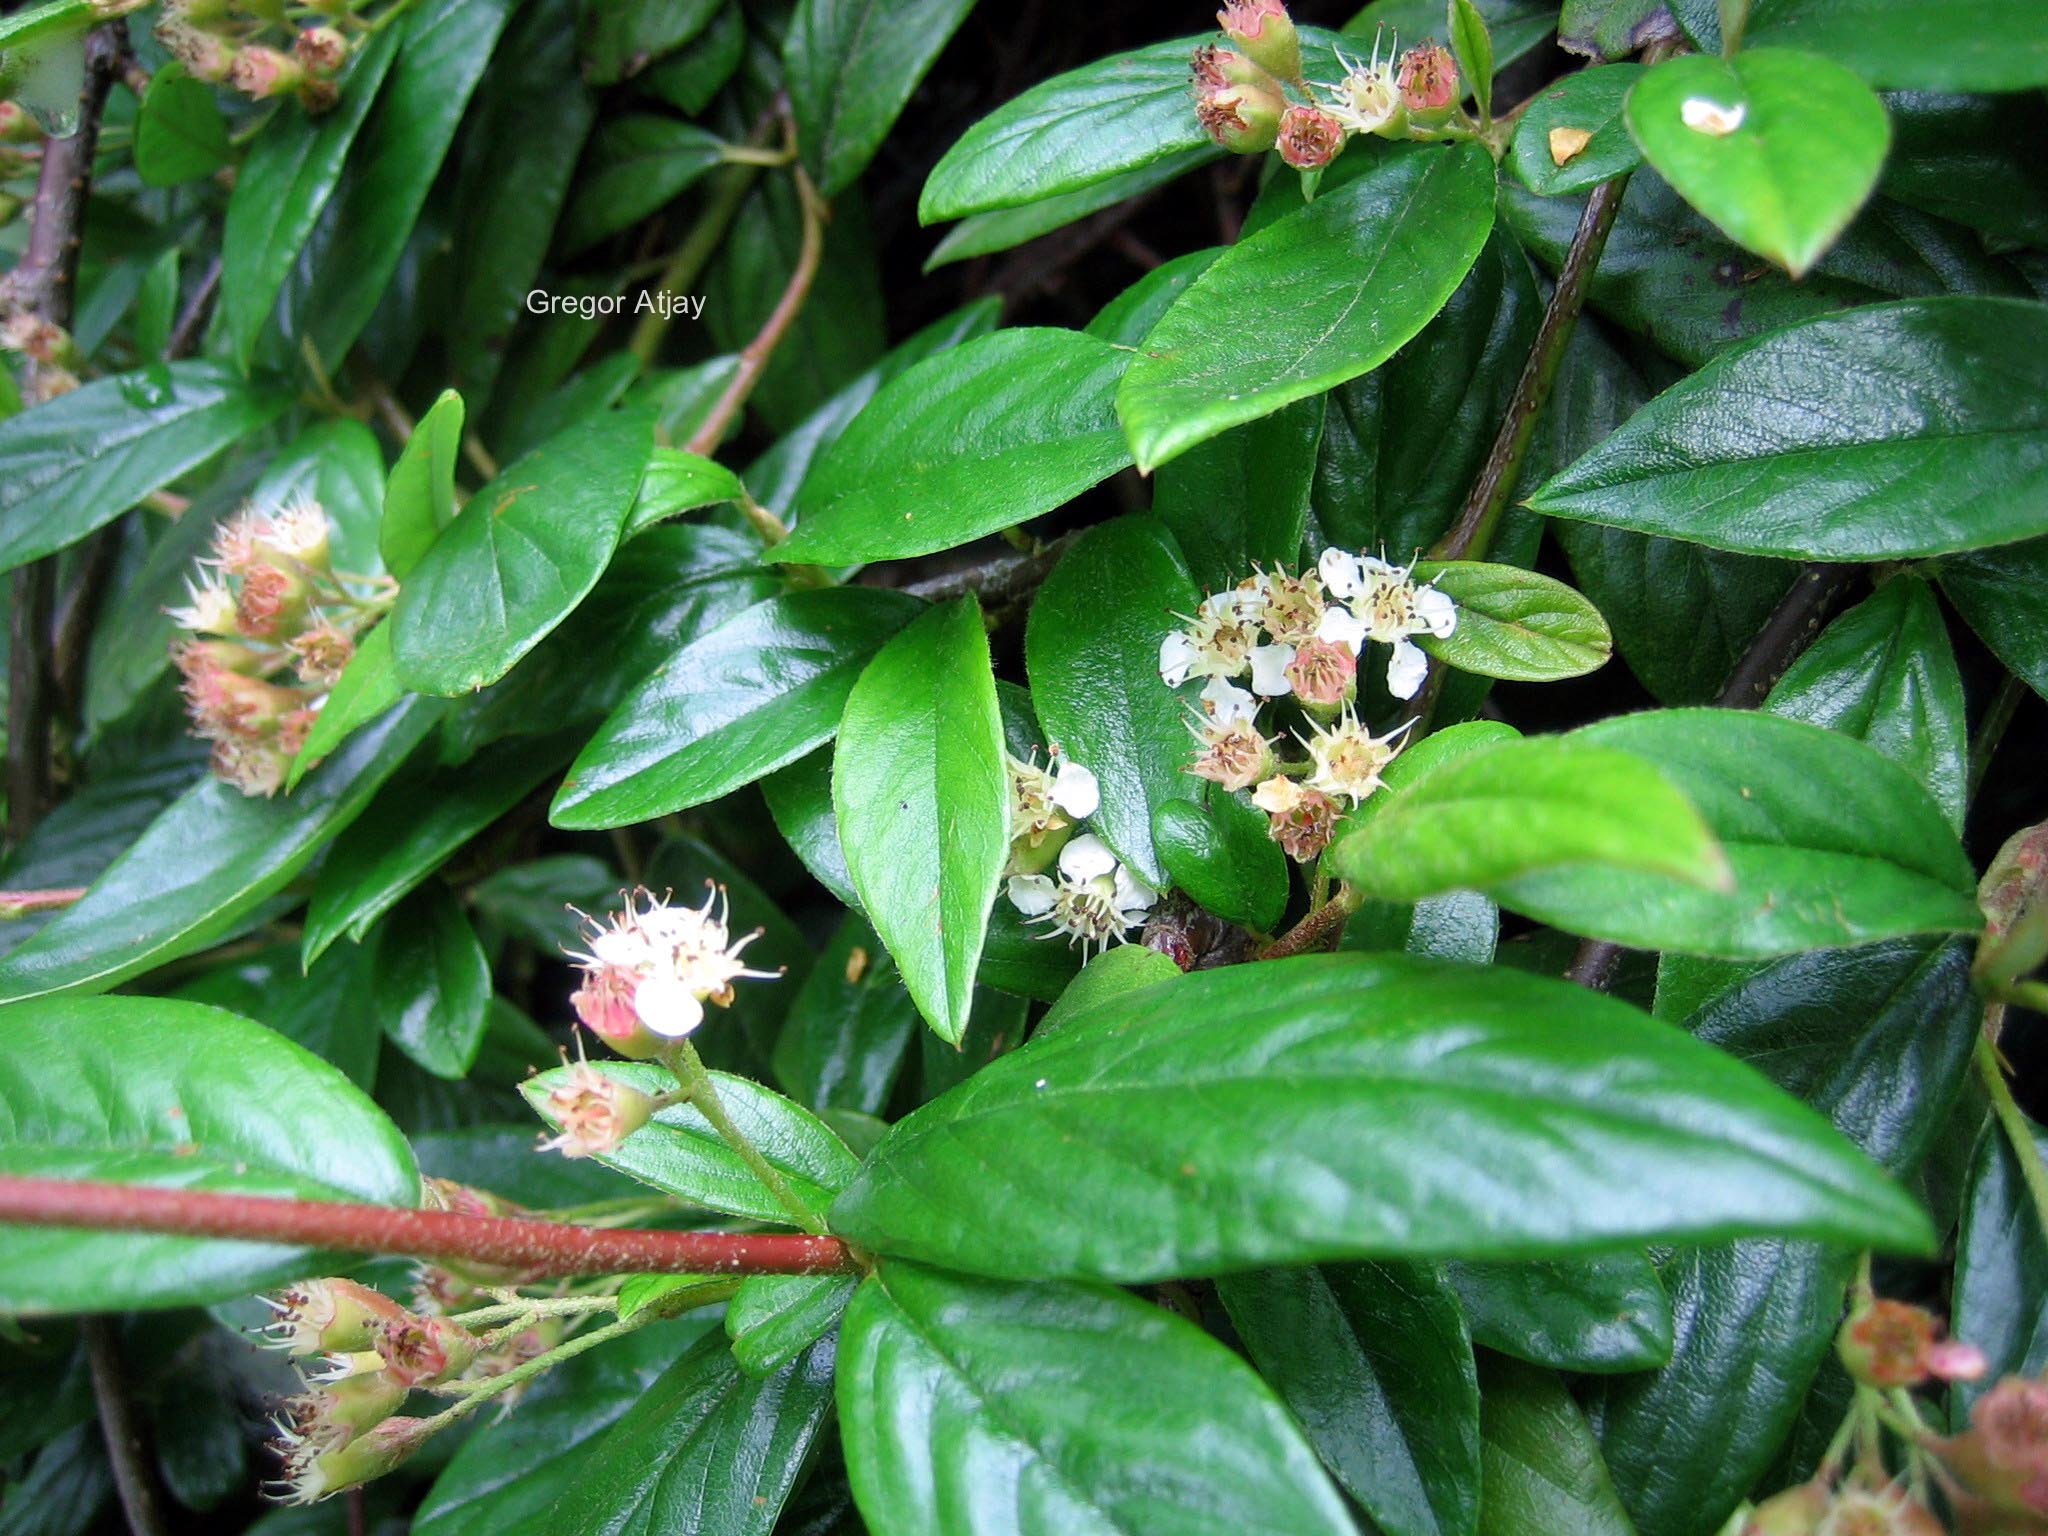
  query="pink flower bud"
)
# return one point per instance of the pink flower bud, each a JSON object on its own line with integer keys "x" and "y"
{"x": 327, "y": 1316}
{"x": 1323, "y": 673}
{"x": 1891, "y": 1344}
{"x": 1241, "y": 115}
{"x": 1953, "y": 1360}
{"x": 594, "y": 1113}
{"x": 272, "y": 601}
{"x": 324, "y": 651}
{"x": 338, "y": 1411}
{"x": 604, "y": 1005}
{"x": 1301, "y": 820}
{"x": 1309, "y": 138}
{"x": 1428, "y": 77}
{"x": 323, "y": 50}
{"x": 262, "y": 72}
{"x": 419, "y": 1351}
{"x": 1264, "y": 30}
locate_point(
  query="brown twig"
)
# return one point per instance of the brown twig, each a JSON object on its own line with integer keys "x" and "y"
{"x": 999, "y": 579}
{"x": 191, "y": 323}
{"x": 133, "y": 1483}
{"x": 1322, "y": 926}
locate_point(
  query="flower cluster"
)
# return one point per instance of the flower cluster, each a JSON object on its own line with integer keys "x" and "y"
{"x": 1890, "y": 1344}
{"x": 251, "y": 47}
{"x": 648, "y": 971}
{"x": 269, "y": 626}
{"x": 1301, "y": 637}
{"x": 1090, "y": 896}
{"x": 1242, "y": 101}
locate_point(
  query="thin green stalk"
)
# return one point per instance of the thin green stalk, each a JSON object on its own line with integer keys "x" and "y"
{"x": 2018, "y": 1134}
{"x": 689, "y": 1069}
{"x": 729, "y": 189}
{"x": 535, "y": 1306}
{"x": 492, "y": 1386}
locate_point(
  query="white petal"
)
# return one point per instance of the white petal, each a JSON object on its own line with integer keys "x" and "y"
{"x": 667, "y": 1007}
{"x": 1269, "y": 670}
{"x": 1436, "y": 610}
{"x": 620, "y": 947}
{"x": 1340, "y": 571}
{"x": 1132, "y": 896}
{"x": 1075, "y": 791}
{"x": 1406, "y": 669}
{"x": 1225, "y": 701}
{"x": 1086, "y": 858}
{"x": 1177, "y": 657}
{"x": 1340, "y": 626}
{"x": 1032, "y": 894}
{"x": 1376, "y": 569}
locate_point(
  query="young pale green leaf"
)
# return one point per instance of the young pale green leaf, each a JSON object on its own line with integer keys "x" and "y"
{"x": 180, "y": 134}
{"x": 519, "y": 557}
{"x": 430, "y": 982}
{"x": 1092, "y": 647}
{"x": 148, "y": 1091}
{"x": 1515, "y": 624}
{"x": 1776, "y": 147}
{"x": 1122, "y": 969}
{"x": 1920, "y": 45}
{"x": 2001, "y": 1285}
{"x": 1540, "y": 1467}
{"x": 212, "y": 856}
{"x": 419, "y": 498}
{"x": 680, "y": 1154}
{"x": 775, "y": 1318}
{"x": 637, "y": 163}
{"x": 851, "y": 65}
{"x": 1520, "y": 807}
{"x": 1573, "y": 136}
{"x": 1598, "y": 1315}
{"x": 79, "y": 461}
{"x": 1320, "y": 296}
{"x": 1375, "y": 1362}
{"x": 1999, "y": 592}
{"x": 1904, "y": 429}
{"x": 1042, "y": 1410}
{"x": 1884, "y": 673}
{"x": 677, "y": 482}
{"x": 1540, "y": 1119}
{"x": 1473, "y": 46}
{"x": 972, "y": 441}
{"x": 756, "y": 693}
{"x": 850, "y": 1025}
{"x": 922, "y": 795}
{"x": 1830, "y": 843}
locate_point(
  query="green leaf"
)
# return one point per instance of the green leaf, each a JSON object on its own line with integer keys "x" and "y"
{"x": 707, "y": 1448}
{"x": 775, "y": 1318}
{"x": 1928, "y": 45}
{"x": 923, "y": 801}
{"x": 1885, "y": 674}
{"x": 2001, "y": 1283}
{"x": 1903, "y": 429}
{"x": 1221, "y": 856}
{"x": 1830, "y": 843}
{"x": 79, "y": 461}
{"x": 1541, "y": 1119}
{"x": 1125, "y": 319}
{"x": 619, "y": 39}
{"x": 1473, "y": 46}
{"x": 367, "y": 687}
{"x": 1042, "y": 1409}
{"x": 1519, "y": 27}
{"x": 1998, "y": 592}
{"x": 754, "y": 694}
{"x": 149, "y": 1091}
{"x": 1122, "y": 969}
{"x": 1375, "y": 1362}
{"x": 1000, "y": 229}
{"x": 519, "y": 557}
{"x": 1588, "y": 102}
{"x": 691, "y": 77}
{"x": 1091, "y": 645}
{"x": 1540, "y": 1467}
{"x": 419, "y": 498}
{"x": 1515, "y": 624}
{"x": 977, "y": 439}
{"x": 1964, "y": 158}
{"x": 431, "y": 983}
{"x": 850, "y": 1025}
{"x": 851, "y": 66}
{"x": 1241, "y": 500}
{"x": 1780, "y": 150}
{"x": 800, "y": 801}
{"x": 1319, "y": 297}
{"x": 1522, "y": 807}
{"x": 680, "y": 1154}
{"x": 281, "y": 189}
{"x": 1600, "y": 1315}
{"x": 179, "y": 132}
{"x": 636, "y": 165}
{"x": 678, "y": 482}
{"x": 210, "y": 858}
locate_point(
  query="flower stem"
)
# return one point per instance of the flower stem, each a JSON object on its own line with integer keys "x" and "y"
{"x": 1324, "y": 925}
{"x": 2018, "y": 1134}
{"x": 536, "y": 1306}
{"x": 690, "y": 1071}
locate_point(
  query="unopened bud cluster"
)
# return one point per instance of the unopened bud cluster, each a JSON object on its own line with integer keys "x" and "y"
{"x": 257, "y": 49}
{"x": 1242, "y": 91}
{"x": 1063, "y": 879}
{"x": 1302, "y": 637}
{"x": 267, "y": 628}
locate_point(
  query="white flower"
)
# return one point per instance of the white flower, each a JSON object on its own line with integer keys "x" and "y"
{"x": 1341, "y": 571}
{"x": 1074, "y": 789}
{"x": 1095, "y": 900}
{"x": 1407, "y": 669}
{"x": 1385, "y": 603}
{"x": 1269, "y": 670}
{"x": 1177, "y": 658}
{"x": 664, "y": 962}
{"x": 1348, "y": 759}
{"x": 1368, "y": 97}
{"x": 1224, "y": 702}
{"x": 1047, "y": 800}
{"x": 1217, "y": 641}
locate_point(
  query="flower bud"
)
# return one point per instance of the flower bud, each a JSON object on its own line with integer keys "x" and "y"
{"x": 1309, "y": 138}
{"x": 604, "y": 1005}
{"x": 1244, "y": 119}
{"x": 1300, "y": 819}
{"x": 1264, "y": 30}
{"x": 594, "y": 1113}
{"x": 18, "y": 125}
{"x": 317, "y": 96}
{"x": 1873, "y": 1511}
{"x": 272, "y": 602}
{"x": 1887, "y": 1343}
{"x": 327, "y": 1316}
{"x": 262, "y": 72}
{"x": 312, "y": 1471}
{"x": 1797, "y": 1511}
{"x": 323, "y": 652}
{"x": 322, "y": 50}
{"x": 1428, "y": 78}
{"x": 1324, "y": 674}
{"x": 2002, "y": 1460}
{"x": 338, "y": 1411}
{"x": 1233, "y": 754}
{"x": 420, "y": 1351}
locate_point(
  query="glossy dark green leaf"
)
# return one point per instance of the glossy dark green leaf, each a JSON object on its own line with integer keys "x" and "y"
{"x": 678, "y": 482}
{"x": 851, "y": 66}
{"x": 689, "y": 78}
{"x": 1241, "y": 500}
{"x": 148, "y": 1091}
{"x": 1472, "y": 45}
{"x": 635, "y": 165}
{"x": 81, "y": 460}
{"x": 2001, "y": 1284}
{"x": 1516, "y": 624}
{"x": 1125, "y": 319}
{"x": 969, "y": 1404}
{"x": 430, "y": 983}
{"x": 1884, "y": 673}
{"x": 1601, "y": 1314}
{"x": 1317, "y": 298}
{"x": 523, "y": 552}
{"x": 1517, "y": 808}
{"x": 1518, "y": 27}
{"x": 979, "y": 438}
{"x": 680, "y": 1154}
{"x": 212, "y": 856}
{"x": 1990, "y": 45}
{"x": 1092, "y": 647}
{"x": 1492, "y": 1134}
{"x": 1540, "y": 1467}
{"x": 1964, "y": 158}
{"x": 1998, "y": 591}
{"x": 775, "y": 1318}
{"x": 1547, "y": 153}
{"x": 1462, "y": 925}
{"x": 281, "y": 189}
{"x": 180, "y": 134}
{"x": 800, "y": 801}
{"x": 64, "y": 1490}
{"x": 751, "y": 696}
{"x": 850, "y": 1025}
{"x": 1830, "y": 843}
{"x": 1777, "y": 147}
{"x": 1904, "y": 429}
{"x": 620, "y": 39}
{"x": 922, "y": 797}
{"x": 1375, "y": 1362}
{"x": 1220, "y": 855}
{"x": 707, "y": 1448}
{"x": 1000, "y": 229}
{"x": 419, "y": 498}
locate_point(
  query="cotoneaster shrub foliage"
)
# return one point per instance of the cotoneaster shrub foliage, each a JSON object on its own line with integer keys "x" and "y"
{"x": 1341, "y": 832}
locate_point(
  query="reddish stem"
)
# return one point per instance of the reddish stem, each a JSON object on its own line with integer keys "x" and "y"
{"x": 540, "y": 1248}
